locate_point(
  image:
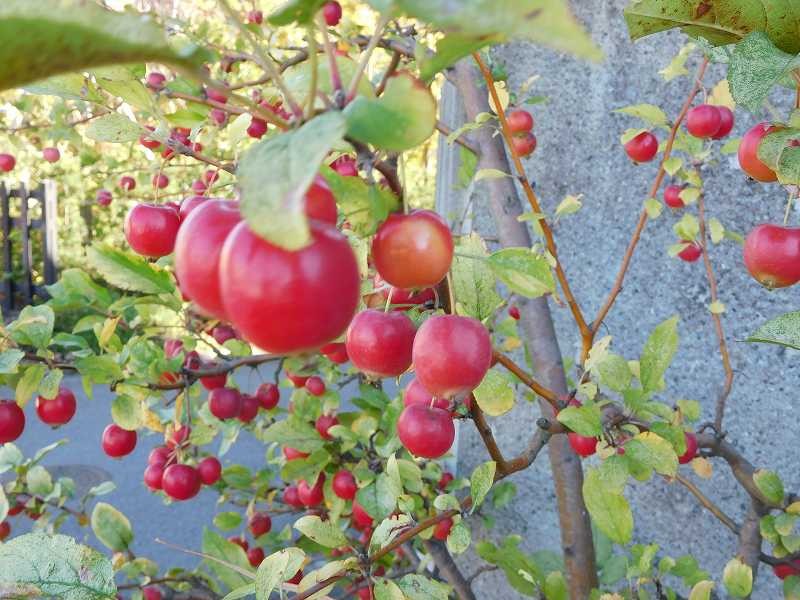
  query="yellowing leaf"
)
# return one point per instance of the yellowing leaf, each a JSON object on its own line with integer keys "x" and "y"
{"x": 716, "y": 308}
{"x": 721, "y": 95}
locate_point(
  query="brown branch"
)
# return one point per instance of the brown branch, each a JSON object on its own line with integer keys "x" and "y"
{"x": 586, "y": 332}
{"x": 390, "y": 70}
{"x": 480, "y": 571}
{"x": 723, "y": 346}
{"x": 749, "y": 548}
{"x": 449, "y": 569}
{"x": 637, "y": 232}
{"x": 446, "y": 131}
{"x": 708, "y": 504}
{"x": 190, "y": 375}
{"x": 485, "y": 431}
{"x": 301, "y": 56}
{"x": 529, "y": 381}
{"x": 796, "y": 76}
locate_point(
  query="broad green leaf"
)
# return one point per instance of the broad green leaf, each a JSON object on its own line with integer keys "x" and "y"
{"x": 3, "y": 505}
{"x": 241, "y": 592}
{"x": 701, "y": 590}
{"x": 657, "y": 354}
{"x": 653, "y": 208}
{"x": 555, "y": 586}
{"x": 791, "y": 588}
{"x": 653, "y": 452}
{"x": 569, "y": 205}
{"x": 322, "y": 574}
{"x": 128, "y": 271}
{"x": 379, "y": 498}
{"x": 70, "y": 86}
{"x": 73, "y": 572}
{"x": 33, "y": 326}
{"x": 403, "y": 116}
{"x": 364, "y": 206}
{"x": 126, "y": 412}
{"x": 503, "y": 493}
{"x": 386, "y": 589}
{"x": 295, "y": 433}
{"x": 218, "y": 547}
{"x": 769, "y": 484}
{"x": 473, "y": 281}
{"x": 325, "y": 533}
{"x": 298, "y": 78}
{"x": 788, "y": 167}
{"x": 9, "y": 361}
{"x": 227, "y": 520}
{"x": 677, "y": 66}
{"x": 113, "y": 127}
{"x": 29, "y": 383}
{"x": 772, "y": 145}
{"x": 481, "y": 482}
{"x": 459, "y": 539}
{"x": 295, "y": 11}
{"x": 648, "y": 113}
{"x": 490, "y": 174}
{"x": 123, "y": 83}
{"x": 66, "y": 35}
{"x": 39, "y": 481}
{"x": 99, "y": 369}
{"x": 419, "y": 587}
{"x": 49, "y": 385}
{"x": 608, "y": 508}
{"x": 513, "y": 562}
{"x": 584, "y": 420}
{"x": 274, "y": 206}
{"x": 524, "y": 272}
{"x": 546, "y": 22}
{"x": 783, "y": 330}
{"x": 495, "y": 394}
{"x": 389, "y": 529}
{"x": 756, "y": 67}
{"x": 449, "y": 50}
{"x": 111, "y": 527}
{"x": 645, "y": 17}
{"x": 277, "y": 568}
{"x": 614, "y": 372}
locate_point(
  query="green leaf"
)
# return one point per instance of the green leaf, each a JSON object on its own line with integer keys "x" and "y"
{"x": 481, "y": 482}
{"x": 772, "y": 145}
{"x": 70, "y": 86}
{"x": 3, "y": 505}
{"x": 227, "y": 520}
{"x": 653, "y": 208}
{"x": 583, "y": 420}
{"x": 295, "y": 433}
{"x": 419, "y": 587}
{"x": 295, "y": 11}
{"x": 325, "y": 533}
{"x": 524, "y": 272}
{"x": 364, "y": 206}
{"x": 33, "y": 326}
{"x": 677, "y": 66}
{"x": 546, "y": 22}
{"x": 99, "y": 369}
{"x": 129, "y": 271}
{"x": 791, "y": 588}
{"x": 241, "y": 592}
{"x": 555, "y": 587}
{"x": 449, "y": 50}
{"x": 495, "y": 394}
{"x": 379, "y": 498}
{"x": 388, "y": 529}
{"x": 403, "y": 116}
{"x": 298, "y": 78}
{"x": 701, "y": 590}
{"x": 645, "y": 17}
{"x": 519, "y": 568}
{"x": 769, "y": 484}
{"x": 39, "y": 481}
{"x": 29, "y": 383}
{"x": 757, "y": 65}
{"x": 126, "y": 412}
{"x": 473, "y": 280}
{"x": 648, "y": 113}
{"x": 73, "y": 572}
{"x": 113, "y": 127}
{"x": 111, "y": 527}
{"x": 783, "y": 330}
{"x": 490, "y": 174}
{"x": 503, "y": 493}
{"x": 788, "y": 168}
{"x": 49, "y": 385}
{"x": 652, "y": 452}
{"x": 459, "y": 538}
{"x": 218, "y": 547}
{"x": 614, "y": 372}
{"x": 277, "y": 568}
{"x": 65, "y": 35}
{"x": 9, "y": 361}
{"x": 123, "y": 83}
{"x": 608, "y": 508}
{"x": 274, "y": 206}
{"x": 386, "y": 589}
{"x": 657, "y": 354}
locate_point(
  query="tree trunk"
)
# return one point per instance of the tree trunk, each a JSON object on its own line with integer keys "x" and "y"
{"x": 538, "y": 334}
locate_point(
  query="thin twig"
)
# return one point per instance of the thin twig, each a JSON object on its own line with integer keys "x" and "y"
{"x": 446, "y": 131}
{"x": 390, "y": 70}
{"x": 365, "y": 56}
{"x": 707, "y": 503}
{"x": 525, "y": 378}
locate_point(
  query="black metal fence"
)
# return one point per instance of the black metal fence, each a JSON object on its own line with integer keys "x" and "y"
{"x": 24, "y": 212}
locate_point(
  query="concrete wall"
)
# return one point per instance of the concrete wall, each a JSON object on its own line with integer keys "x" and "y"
{"x": 579, "y": 152}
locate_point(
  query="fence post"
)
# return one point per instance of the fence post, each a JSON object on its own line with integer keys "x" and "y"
{"x": 25, "y": 240}
{"x": 8, "y": 268}
{"x": 47, "y": 195}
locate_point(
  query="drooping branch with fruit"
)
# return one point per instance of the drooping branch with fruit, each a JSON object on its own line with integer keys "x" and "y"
{"x": 300, "y": 252}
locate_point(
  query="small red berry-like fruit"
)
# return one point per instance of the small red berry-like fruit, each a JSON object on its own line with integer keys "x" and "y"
{"x": 298, "y": 381}
{"x": 218, "y": 116}
{"x": 783, "y": 570}
{"x": 442, "y": 529}
{"x": 151, "y": 230}
{"x": 255, "y": 556}
{"x": 127, "y": 183}
{"x": 118, "y": 442}
{"x": 320, "y": 203}
{"x": 691, "y": 252}
{"x": 772, "y": 255}
{"x": 336, "y": 352}
{"x": 519, "y": 121}
{"x": 239, "y": 541}
{"x": 642, "y": 148}
{"x": 445, "y": 480}
{"x": 365, "y": 593}
{"x": 361, "y": 518}
{"x": 259, "y": 524}
{"x": 149, "y": 143}
{"x": 292, "y": 453}
{"x": 344, "y": 485}
{"x": 298, "y": 577}
{"x": 7, "y": 162}
{"x": 426, "y": 432}
{"x": 160, "y": 181}
{"x": 332, "y": 12}
{"x": 210, "y": 470}
{"x": 255, "y": 17}
{"x": 210, "y": 176}
{"x": 59, "y": 410}
{"x": 379, "y": 343}
{"x": 51, "y": 154}
{"x": 5, "y": 530}
{"x": 748, "y": 153}
{"x": 581, "y": 444}
{"x": 315, "y": 386}
{"x": 159, "y": 455}
{"x": 672, "y": 196}
{"x": 290, "y": 496}
{"x": 12, "y": 421}
{"x": 324, "y": 423}
{"x": 154, "y": 476}
{"x": 198, "y": 186}
{"x": 216, "y": 95}
{"x": 414, "y": 250}
{"x": 249, "y": 410}
{"x": 346, "y": 166}
{"x": 212, "y": 382}
{"x": 181, "y": 482}
{"x": 703, "y": 121}
{"x": 151, "y": 592}
{"x": 513, "y": 312}
{"x": 223, "y": 333}
{"x": 725, "y": 123}
{"x": 257, "y": 128}
{"x": 179, "y": 436}
{"x": 451, "y": 354}
{"x": 415, "y": 393}
{"x": 311, "y": 495}
{"x": 103, "y": 197}
{"x": 524, "y": 144}
{"x": 225, "y": 403}
{"x": 691, "y": 448}
{"x": 156, "y": 80}
{"x": 268, "y": 395}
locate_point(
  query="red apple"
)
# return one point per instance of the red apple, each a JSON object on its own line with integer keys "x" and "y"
{"x": 320, "y": 203}
{"x": 748, "y": 153}
{"x": 156, "y": 80}
{"x": 51, "y": 154}
{"x": 118, "y": 442}
{"x": 442, "y": 529}
{"x": 361, "y": 518}
{"x": 772, "y": 255}
{"x": 415, "y": 393}
{"x": 257, "y": 128}
{"x": 426, "y": 432}
{"x": 725, "y": 123}
{"x": 691, "y": 449}
{"x": 259, "y": 524}
{"x": 324, "y": 423}
{"x": 12, "y": 421}
{"x": 344, "y": 485}
{"x": 784, "y": 570}
{"x": 524, "y": 144}
{"x": 210, "y": 470}
{"x": 519, "y": 121}
{"x": 581, "y": 444}
{"x": 154, "y": 476}
{"x": 151, "y": 230}
{"x": 249, "y": 410}
{"x": 379, "y": 343}
{"x": 268, "y": 395}
{"x": 332, "y": 13}
{"x": 292, "y": 453}
{"x": 315, "y": 386}
{"x": 311, "y": 495}
{"x": 642, "y": 148}
{"x": 672, "y": 196}
{"x": 225, "y": 403}
{"x": 291, "y": 498}
{"x": 7, "y": 162}
{"x": 181, "y": 482}
{"x": 691, "y": 252}
{"x": 59, "y": 410}
{"x": 127, "y": 183}
{"x": 103, "y": 197}
{"x": 703, "y": 121}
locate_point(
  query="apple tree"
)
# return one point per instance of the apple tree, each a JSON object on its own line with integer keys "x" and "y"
{"x": 247, "y": 177}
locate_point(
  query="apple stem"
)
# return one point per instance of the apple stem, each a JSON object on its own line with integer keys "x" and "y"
{"x": 388, "y": 299}
{"x": 789, "y": 204}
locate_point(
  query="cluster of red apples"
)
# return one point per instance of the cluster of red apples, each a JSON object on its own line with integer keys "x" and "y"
{"x": 520, "y": 124}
